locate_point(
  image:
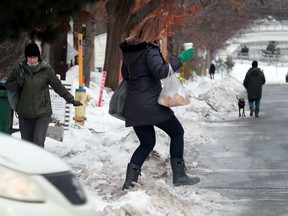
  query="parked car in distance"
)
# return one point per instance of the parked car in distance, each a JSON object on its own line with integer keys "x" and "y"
{"x": 35, "y": 182}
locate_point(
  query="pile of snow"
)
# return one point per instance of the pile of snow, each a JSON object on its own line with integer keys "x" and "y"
{"x": 99, "y": 151}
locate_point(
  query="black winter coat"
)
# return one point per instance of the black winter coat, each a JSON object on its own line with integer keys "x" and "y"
{"x": 253, "y": 82}
{"x": 212, "y": 69}
{"x": 143, "y": 67}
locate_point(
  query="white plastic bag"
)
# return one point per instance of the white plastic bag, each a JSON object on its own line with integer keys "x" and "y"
{"x": 173, "y": 92}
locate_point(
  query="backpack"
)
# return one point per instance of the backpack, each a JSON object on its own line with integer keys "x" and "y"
{"x": 14, "y": 96}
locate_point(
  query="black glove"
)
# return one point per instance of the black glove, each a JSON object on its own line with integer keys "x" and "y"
{"x": 76, "y": 103}
{"x": 20, "y": 80}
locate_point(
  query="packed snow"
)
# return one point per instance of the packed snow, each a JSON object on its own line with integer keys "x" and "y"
{"x": 99, "y": 151}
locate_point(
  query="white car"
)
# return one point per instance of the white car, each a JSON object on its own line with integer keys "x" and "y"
{"x": 34, "y": 182}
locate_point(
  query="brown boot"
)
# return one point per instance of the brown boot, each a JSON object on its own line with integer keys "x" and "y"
{"x": 251, "y": 112}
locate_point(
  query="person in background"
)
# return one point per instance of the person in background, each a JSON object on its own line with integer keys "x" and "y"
{"x": 212, "y": 70}
{"x": 143, "y": 67}
{"x": 34, "y": 107}
{"x": 253, "y": 82}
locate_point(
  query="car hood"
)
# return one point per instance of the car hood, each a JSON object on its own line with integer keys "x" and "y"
{"x": 28, "y": 158}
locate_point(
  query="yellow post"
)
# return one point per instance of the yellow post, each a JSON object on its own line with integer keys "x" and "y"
{"x": 81, "y": 91}
{"x": 80, "y": 59}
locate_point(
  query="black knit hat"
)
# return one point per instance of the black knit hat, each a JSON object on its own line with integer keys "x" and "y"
{"x": 254, "y": 64}
{"x": 32, "y": 49}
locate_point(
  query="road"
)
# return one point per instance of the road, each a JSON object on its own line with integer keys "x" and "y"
{"x": 248, "y": 163}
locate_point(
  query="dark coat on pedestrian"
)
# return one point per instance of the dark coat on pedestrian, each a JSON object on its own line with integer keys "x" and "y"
{"x": 253, "y": 82}
{"x": 212, "y": 69}
{"x": 143, "y": 67}
{"x": 35, "y": 99}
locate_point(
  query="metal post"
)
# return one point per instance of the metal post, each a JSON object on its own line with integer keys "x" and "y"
{"x": 80, "y": 59}
{"x": 81, "y": 91}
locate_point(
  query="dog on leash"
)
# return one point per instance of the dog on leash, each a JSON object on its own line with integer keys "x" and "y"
{"x": 241, "y": 106}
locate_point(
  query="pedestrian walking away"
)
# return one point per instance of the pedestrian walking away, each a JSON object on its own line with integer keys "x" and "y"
{"x": 253, "y": 82}
{"x": 143, "y": 67}
{"x": 34, "y": 107}
{"x": 212, "y": 70}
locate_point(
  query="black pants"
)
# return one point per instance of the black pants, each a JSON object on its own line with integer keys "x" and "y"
{"x": 146, "y": 136}
{"x": 34, "y": 130}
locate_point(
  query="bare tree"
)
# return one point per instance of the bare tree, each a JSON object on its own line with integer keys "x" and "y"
{"x": 276, "y": 8}
{"x": 12, "y": 52}
{"x": 121, "y": 19}
{"x": 58, "y": 54}
{"x": 218, "y": 20}
{"x": 89, "y": 43}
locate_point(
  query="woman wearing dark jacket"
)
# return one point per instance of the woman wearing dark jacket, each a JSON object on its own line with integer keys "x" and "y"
{"x": 143, "y": 67}
{"x": 34, "y": 107}
{"x": 253, "y": 82}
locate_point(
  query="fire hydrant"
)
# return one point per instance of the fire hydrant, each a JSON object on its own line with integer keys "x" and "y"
{"x": 80, "y": 111}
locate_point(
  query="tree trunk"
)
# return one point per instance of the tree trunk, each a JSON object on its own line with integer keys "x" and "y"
{"x": 121, "y": 19}
{"x": 88, "y": 55}
{"x": 12, "y": 53}
{"x": 90, "y": 33}
{"x": 113, "y": 54}
{"x": 118, "y": 14}
{"x": 58, "y": 55}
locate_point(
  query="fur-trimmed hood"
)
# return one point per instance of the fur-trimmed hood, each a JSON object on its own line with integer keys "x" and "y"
{"x": 131, "y": 52}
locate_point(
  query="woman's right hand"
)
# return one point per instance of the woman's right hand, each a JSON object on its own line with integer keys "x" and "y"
{"x": 186, "y": 55}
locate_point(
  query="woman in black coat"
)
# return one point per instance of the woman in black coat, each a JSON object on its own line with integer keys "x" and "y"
{"x": 143, "y": 67}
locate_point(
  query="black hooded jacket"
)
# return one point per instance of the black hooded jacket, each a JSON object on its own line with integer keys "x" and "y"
{"x": 143, "y": 67}
{"x": 253, "y": 82}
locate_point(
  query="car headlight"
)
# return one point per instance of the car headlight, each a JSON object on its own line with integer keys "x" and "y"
{"x": 18, "y": 186}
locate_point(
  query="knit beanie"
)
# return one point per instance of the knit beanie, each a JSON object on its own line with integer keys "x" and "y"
{"x": 32, "y": 49}
{"x": 254, "y": 64}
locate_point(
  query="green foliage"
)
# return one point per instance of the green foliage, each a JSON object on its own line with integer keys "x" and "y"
{"x": 271, "y": 48}
{"x": 244, "y": 49}
{"x": 219, "y": 61}
{"x": 229, "y": 62}
{"x": 43, "y": 18}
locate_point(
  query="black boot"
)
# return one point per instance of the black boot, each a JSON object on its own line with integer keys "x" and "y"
{"x": 179, "y": 175}
{"x": 256, "y": 114}
{"x": 133, "y": 171}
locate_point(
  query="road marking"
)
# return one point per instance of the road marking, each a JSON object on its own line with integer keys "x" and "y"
{"x": 243, "y": 170}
